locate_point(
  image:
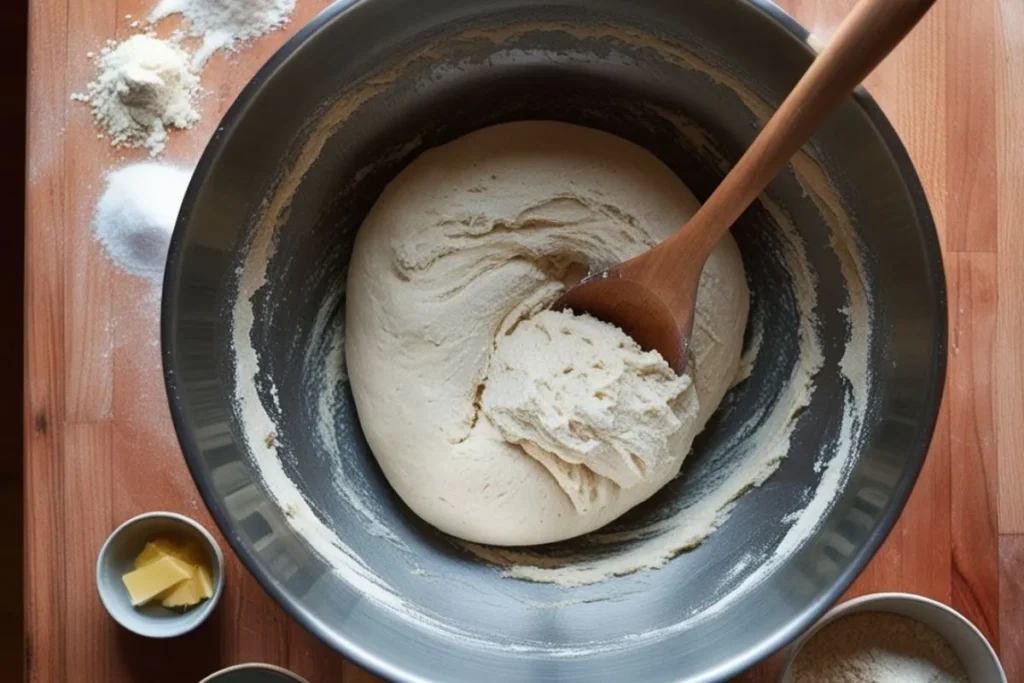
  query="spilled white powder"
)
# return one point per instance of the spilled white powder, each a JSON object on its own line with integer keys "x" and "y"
{"x": 877, "y": 647}
{"x": 135, "y": 216}
{"x": 223, "y": 24}
{"x": 145, "y": 86}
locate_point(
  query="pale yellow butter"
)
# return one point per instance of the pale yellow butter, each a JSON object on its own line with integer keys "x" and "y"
{"x": 190, "y": 552}
{"x": 146, "y": 583}
{"x": 183, "y": 593}
{"x": 189, "y": 592}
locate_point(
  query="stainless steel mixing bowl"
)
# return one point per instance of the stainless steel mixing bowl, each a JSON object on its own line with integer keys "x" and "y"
{"x": 361, "y": 91}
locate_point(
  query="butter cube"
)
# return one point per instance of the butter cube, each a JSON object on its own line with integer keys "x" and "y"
{"x": 146, "y": 583}
{"x": 153, "y": 551}
{"x": 205, "y": 580}
{"x": 190, "y": 592}
{"x": 190, "y": 552}
{"x": 186, "y": 593}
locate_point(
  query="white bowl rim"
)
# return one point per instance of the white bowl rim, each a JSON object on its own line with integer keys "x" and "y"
{"x": 207, "y": 608}
{"x": 841, "y": 609}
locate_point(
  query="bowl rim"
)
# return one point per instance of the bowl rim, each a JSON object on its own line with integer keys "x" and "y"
{"x": 258, "y": 666}
{"x": 380, "y": 665}
{"x": 855, "y": 605}
{"x": 205, "y": 610}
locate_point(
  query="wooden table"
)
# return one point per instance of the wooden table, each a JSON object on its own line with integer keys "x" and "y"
{"x": 99, "y": 442}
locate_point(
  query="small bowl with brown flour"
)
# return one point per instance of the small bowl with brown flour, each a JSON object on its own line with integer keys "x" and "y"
{"x": 893, "y": 638}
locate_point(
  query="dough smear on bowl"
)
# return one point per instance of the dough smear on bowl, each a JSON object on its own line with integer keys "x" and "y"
{"x": 495, "y": 419}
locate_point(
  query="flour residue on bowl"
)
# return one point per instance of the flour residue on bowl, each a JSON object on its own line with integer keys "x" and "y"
{"x": 260, "y": 430}
{"x": 324, "y": 392}
{"x": 758, "y": 449}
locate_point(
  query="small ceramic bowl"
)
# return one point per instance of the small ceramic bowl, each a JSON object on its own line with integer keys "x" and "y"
{"x": 975, "y": 653}
{"x": 254, "y": 672}
{"x": 117, "y": 557}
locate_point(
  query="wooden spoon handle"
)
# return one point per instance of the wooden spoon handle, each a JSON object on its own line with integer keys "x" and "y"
{"x": 870, "y": 32}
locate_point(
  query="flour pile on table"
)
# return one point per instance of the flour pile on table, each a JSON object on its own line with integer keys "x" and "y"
{"x": 222, "y": 24}
{"x": 145, "y": 86}
{"x": 136, "y": 214}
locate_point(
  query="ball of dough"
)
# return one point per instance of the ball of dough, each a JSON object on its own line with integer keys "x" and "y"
{"x": 582, "y": 398}
{"x": 467, "y": 243}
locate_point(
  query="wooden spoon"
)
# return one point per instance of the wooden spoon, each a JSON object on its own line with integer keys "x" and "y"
{"x": 652, "y": 296}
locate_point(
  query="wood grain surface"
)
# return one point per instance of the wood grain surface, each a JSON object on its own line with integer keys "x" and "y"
{"x": 99, "y": 446}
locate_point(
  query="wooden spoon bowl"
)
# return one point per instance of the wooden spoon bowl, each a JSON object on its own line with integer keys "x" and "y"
{"x": 652, "y": 296}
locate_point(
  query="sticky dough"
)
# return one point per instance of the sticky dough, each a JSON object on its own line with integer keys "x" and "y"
{"x": 494, "y": 419}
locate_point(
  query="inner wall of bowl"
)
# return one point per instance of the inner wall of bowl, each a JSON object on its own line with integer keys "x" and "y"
{"x": 604, "y": 82}
{"x": 328, "y": 536}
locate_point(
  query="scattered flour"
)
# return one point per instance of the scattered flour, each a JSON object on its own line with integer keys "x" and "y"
{"x": 145, "y": 86}
{"x": 222, "y": 24}
{"x": 135, "y": 216}
{"x": 877, "y": 647}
